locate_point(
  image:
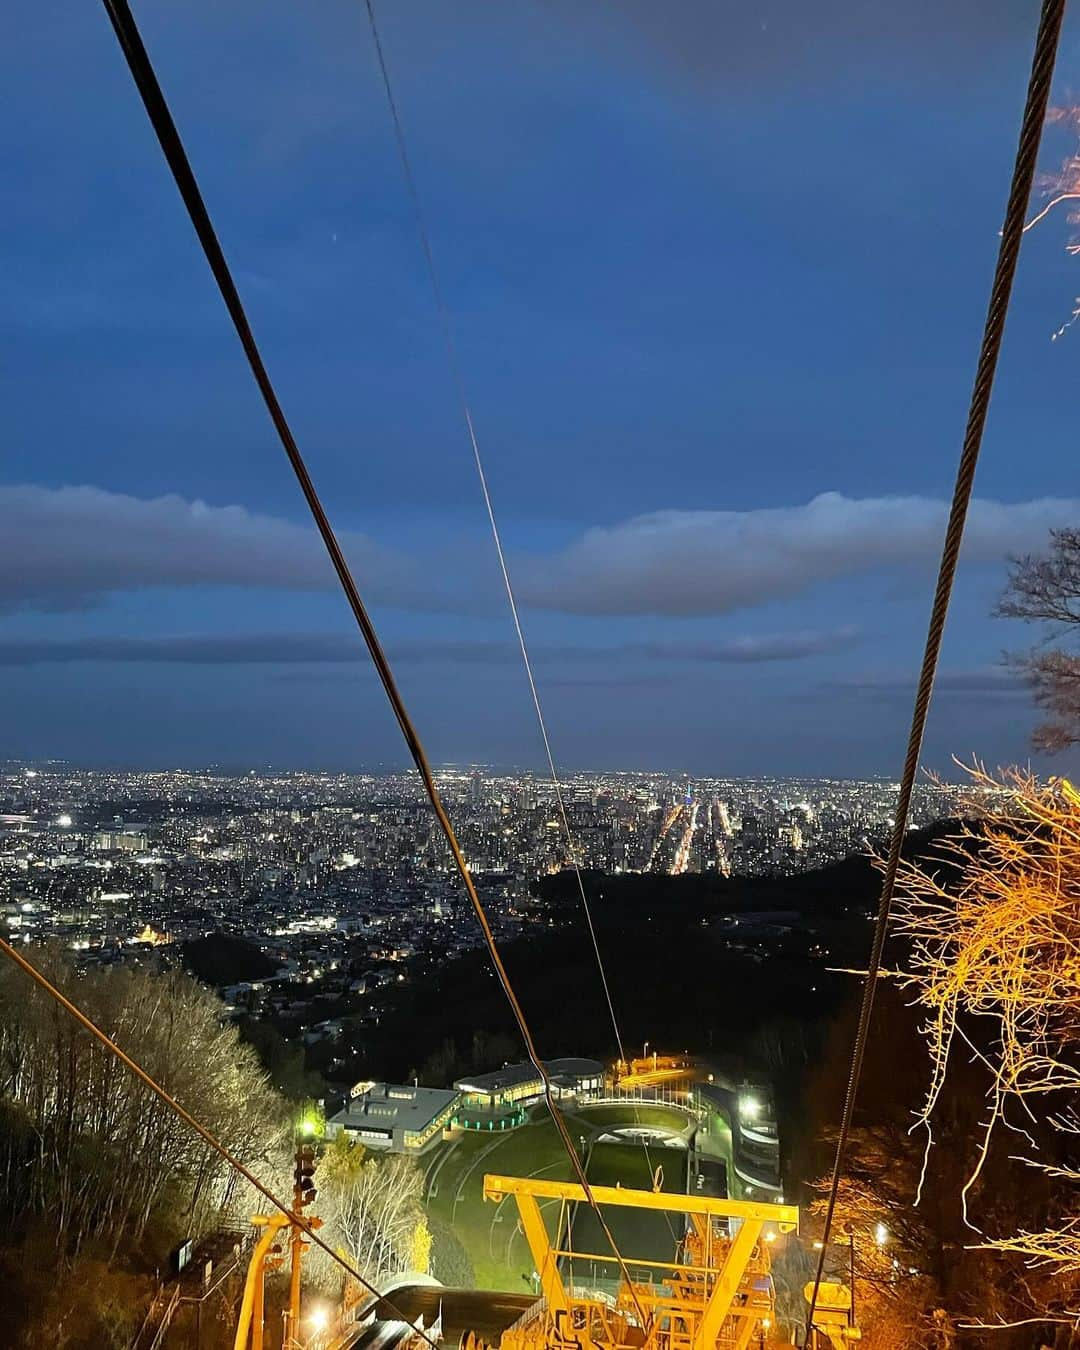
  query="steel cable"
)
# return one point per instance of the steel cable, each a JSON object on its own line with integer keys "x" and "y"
{"x": 1038, "y": 93}
{"x": 470, "y": 428}
{"x": 142, "y": 71}
{"x": 458, "y": 378}
{"x": 207, "y": 1136}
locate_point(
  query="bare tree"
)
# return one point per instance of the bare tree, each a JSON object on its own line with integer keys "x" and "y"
{"x": 994, "y": 966}
{"x": 1045, "y": 590}
{"x": 371, "y": 1205}
{"x": 84, "y": 1142}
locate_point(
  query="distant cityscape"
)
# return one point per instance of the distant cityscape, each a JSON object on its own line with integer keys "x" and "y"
{"x": 94, "y": 857}
{"x": 344, "y": 883}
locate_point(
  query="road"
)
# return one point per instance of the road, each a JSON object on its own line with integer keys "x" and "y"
{"x": 709, "y": 1177}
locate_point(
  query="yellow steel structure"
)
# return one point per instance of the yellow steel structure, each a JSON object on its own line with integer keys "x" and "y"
{"x": 833, "y": 1313}
{"x": 250, "y": 1323}
{"x": 268, "y": 1254}
{"x": 714, "y": 1292}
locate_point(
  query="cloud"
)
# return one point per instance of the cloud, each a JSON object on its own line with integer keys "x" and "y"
{"x": 755, "y": 648}
{"x": 66, "y": 548}
{"x": 285, "y": 649}
{"x": 986, "y": 684}
{"x": 715, "y": 562}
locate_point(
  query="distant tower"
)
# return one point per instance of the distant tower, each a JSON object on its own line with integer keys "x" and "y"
{"x": 476, "y": 787}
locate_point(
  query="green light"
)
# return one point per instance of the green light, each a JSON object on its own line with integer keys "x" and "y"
{"x": 309, "y": 1126}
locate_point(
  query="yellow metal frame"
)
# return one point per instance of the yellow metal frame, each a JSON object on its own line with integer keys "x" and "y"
{"x": 703, "y": 1297}
{"x": 252, "y": 1311}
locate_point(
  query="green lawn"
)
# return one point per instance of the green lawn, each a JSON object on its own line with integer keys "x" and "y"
{"x": 635, "y": 1113}
{"x": 647, "y": 1234}
{"x": 490, "y": 1232}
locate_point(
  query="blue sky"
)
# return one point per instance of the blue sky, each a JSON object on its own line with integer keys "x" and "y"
{"x": 717, "y": 279}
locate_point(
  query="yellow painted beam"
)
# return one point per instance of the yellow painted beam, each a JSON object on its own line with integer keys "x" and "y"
{"x": 251, "y": 1307}
{"x": 544, "y": 1259}
{"x": 786, "y": 1217}
{"x": 745, "y": 1332}
{"x": 727, "y": 1284}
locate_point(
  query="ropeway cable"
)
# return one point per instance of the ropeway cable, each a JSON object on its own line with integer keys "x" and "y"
{"x": 470, "y": 427}
{"x": 458, "y": 378}
{"x": 157, "y": 109}
{"x": 207, "y": 1135}
{"x": 1027, "y": 151}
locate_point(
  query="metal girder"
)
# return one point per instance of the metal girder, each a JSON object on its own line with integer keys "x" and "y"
{"x": 746, "y": 1330}
{"x": 727, "y": 1283}
{"x": 544, "y": 1258}
{"x": 786, "y": 1217}
{"x": 250, "y": 1322}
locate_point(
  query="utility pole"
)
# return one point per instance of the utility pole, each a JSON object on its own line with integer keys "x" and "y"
{"x": 303, "y": 1195}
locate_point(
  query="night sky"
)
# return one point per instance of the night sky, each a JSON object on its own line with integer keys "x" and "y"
{"x": 717, "y": 273}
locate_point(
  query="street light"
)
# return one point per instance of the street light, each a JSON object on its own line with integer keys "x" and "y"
{"x": 881, "y": 1234}
{"x": 309, "y": 1125}
{"x": 749, "y": 1107}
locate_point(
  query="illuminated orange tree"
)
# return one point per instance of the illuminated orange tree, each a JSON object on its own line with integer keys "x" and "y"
{"x": 993, "y": 963}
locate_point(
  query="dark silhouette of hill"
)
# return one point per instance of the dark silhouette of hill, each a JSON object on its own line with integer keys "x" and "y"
{"x": 221, "y": 959}
{"x": 823, "y": 892}
{"x": 682, "y": 974}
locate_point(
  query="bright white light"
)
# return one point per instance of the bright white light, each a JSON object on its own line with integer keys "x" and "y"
{"x": 64, "y": 822}
{"x": 319, "y": 1319}
{"x": 881, "y": 1235}
{"x": 31, "y": 773}
{"x": 749, "y": 1107}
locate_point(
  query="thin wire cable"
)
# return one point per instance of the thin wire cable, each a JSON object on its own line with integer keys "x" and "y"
{"x": 458, "y": 378}
{"x": 1027, "y": 152}
{"x": 447, "y": 327}
{"x": 142, "y": 71}
{"x": 207, "y": 1136}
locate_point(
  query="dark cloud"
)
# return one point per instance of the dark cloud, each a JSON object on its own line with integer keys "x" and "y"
{"x": 337, "y": 649}
{"x": 739, "y": 45}
{"x": 751, "y": 649}
{"x": 616, "y": 680}
{"x": 988, "y": 684}
{"x": 714, "y": 562}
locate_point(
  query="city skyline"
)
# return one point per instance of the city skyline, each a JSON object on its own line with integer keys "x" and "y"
{"x": 718, "y": 426}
